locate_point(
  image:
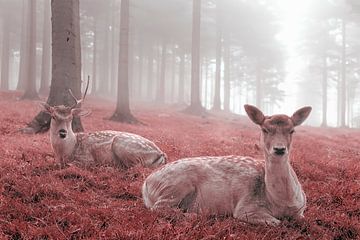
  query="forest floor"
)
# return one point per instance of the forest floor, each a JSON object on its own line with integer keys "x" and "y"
{"x": 39, "y": 200}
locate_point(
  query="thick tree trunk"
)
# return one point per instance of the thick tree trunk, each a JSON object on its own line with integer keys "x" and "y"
{"x": 195, "y": 102}
{"x": 30, "y": 85}
{"x": 46, "y": 50}
{"x": 5, "y": 55}
{"x": 122, "y": 112}
{"x": 343, "y": 76}
{"x": 23, "y": 47}
{"x": 66, "y": 62}
{"x": 324, "y": 92}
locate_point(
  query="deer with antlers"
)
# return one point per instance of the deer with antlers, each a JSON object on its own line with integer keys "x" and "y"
{"x": 121, "y": 149}
{"x": 250, "y": 190}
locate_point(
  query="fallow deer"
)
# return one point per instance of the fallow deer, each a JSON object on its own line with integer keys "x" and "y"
{"x": 254, "y": 191}
{"x": 121, "y": 149}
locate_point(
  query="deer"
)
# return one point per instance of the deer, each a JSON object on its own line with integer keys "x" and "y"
{"x": 254, "y": 191}
{"x": 121, "y": 149}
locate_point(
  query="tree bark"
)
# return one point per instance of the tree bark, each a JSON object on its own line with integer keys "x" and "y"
{"x": 66, "y": 62}
{"x": 5, "y": 54}
{"x": 195, "y": 102}
{"x": 30, "y": 84}
{"x": 46, "y": 50}
{"x": 122, "y": 112}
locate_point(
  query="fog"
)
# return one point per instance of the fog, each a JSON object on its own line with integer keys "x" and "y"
{"x": 276, "y": 54}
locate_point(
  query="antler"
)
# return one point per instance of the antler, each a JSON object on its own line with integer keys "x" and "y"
{"x": 77, "y": 102}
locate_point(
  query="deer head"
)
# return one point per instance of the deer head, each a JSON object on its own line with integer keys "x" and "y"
{"x": 62, "y": 116}
{"x": 277, "y": 130}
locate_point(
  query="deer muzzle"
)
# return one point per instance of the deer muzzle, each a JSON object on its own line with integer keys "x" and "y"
{"x": 279, "y": 150}
{"x": 62, "y": 133}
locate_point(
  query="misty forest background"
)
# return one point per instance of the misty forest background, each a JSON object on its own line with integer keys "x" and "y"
{"x": 233, "y": 56}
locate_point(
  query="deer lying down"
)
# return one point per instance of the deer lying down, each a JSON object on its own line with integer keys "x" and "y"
{"x": 101, "y": 148}
{"x": 250, "y": 190}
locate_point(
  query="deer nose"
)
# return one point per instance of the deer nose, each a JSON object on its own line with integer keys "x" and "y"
{"x": 280, "y": 150}
{"x": 62, "y": 133}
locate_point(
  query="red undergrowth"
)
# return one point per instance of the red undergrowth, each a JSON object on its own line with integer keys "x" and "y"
{"x": 39, "y": 200}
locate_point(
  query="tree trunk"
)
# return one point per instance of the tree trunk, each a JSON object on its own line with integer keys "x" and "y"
{"x": 227, "y": 75}
{"x": 66, "y": 62}
{"x": 104, "y": 65}
{"x": 122, "y": 112}
{"x": 343, "y": 76}
{"x": 161, "y": 86}
{"x": 5, "y": 54}
{"x": 259, "y": 87}
{"x": 46, "y": 50}
{"x": 150, "y": 73}
{"x": 217, "y": 100}
{"x": 30, "y": 85}
{"x": 94, "y": 62}
{"x": 324, "y": 93}
{"x": 23, "y": 47}
{"x": 181, "y": 98}
{"x": 195, "y": 102}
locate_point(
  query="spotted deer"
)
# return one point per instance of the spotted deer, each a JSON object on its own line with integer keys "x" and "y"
{"x": 254, "y": 191}
{"x": 121, "y": 149}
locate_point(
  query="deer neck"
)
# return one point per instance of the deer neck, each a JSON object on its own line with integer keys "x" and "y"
{"x": 281, "y": 183}
{"x": 63, "y": 148}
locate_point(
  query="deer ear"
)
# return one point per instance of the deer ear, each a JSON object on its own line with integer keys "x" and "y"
{"x": 254, "y": 114}
{"x": 79, "y": 112}
{"x": 46, "y": 107}
{"x": 300, "y": 115}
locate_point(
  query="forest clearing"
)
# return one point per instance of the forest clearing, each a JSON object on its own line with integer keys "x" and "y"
{"x": 39, "y": 200}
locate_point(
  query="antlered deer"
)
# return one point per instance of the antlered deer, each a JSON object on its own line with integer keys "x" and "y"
{"x": 103, "y": 147}
{"x": 250, "y": 190}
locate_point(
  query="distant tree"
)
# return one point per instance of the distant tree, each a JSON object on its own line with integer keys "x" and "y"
{"x": 122, "y": 112}
{"x": 30, "y": 83}
{"x": 66, "y": 62}
{"x": 5, "y": 51}
{"x": 195, "y": 102}
{"x": 23, "y": 47}
{"x": 219, "y": 31}
{"x": 46, "y": 50}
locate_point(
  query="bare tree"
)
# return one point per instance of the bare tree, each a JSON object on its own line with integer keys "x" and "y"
{"x": 30, "y": 83}
{"x": 5, "y": 52}
{"x": 122, "y": 112}
{"x": 46, "y": 50}
{"x": 66, "y": 62}
{"x": 195, "y": 103}
{"x": 23, "y": 47}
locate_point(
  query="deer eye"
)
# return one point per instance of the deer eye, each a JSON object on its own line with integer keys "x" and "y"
{"x": 264, "y": 130}
{"x": 292, "y": 131}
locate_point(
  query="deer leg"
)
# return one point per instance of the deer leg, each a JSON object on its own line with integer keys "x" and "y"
{"x": 256, "y": 215}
